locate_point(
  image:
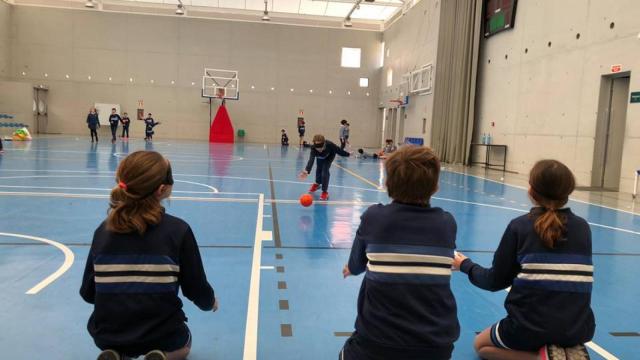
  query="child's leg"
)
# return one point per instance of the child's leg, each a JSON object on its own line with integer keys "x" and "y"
{"x": 319, "y": 165}
{"x": 486, "y": 349}
{"x": 325, "y": 177}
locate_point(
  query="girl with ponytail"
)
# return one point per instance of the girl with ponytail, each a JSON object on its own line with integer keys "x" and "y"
{"x": 139, "y": 258}
{"x": 545, "y": 257}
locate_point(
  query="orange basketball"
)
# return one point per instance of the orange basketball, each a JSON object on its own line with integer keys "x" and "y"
{"x": 306, "y": 200}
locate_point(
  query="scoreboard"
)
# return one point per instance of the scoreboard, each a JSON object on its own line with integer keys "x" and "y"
{"x": 499, "y": 15}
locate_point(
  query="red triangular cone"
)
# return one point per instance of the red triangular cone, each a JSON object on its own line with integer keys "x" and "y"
{"x": 221, "y": 129}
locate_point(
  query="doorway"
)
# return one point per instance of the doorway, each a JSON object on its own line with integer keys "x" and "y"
{"x": 610, "y": 128}
{"x": 40, "y": 109}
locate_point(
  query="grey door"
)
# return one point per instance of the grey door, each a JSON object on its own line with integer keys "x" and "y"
{"x": 610, "y": 128}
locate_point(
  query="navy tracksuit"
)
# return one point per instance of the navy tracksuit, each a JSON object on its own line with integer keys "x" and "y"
{"x": 550, "y": 297}
{"x": 324, "y": 160}
{"x": 406, "y": 309}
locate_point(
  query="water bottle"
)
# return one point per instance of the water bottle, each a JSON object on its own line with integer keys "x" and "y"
{"x": 489, "y": 139}
{"x": 484, "y": 138}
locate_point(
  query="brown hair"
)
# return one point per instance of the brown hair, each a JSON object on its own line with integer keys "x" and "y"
{"x": 318, "y": 138}
{"x": 133, "y": 205}
{"x": 412, "y": 174}
{"x": 550, "y": 182}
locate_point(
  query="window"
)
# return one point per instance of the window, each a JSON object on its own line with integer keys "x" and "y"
{"x": 364, "y": 82}
{"x": 390, "y": 77}
{"x": 382, "y": 55}
{"x": 350, "y": 57}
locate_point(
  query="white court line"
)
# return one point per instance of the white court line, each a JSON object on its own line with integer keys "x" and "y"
{"x": 213, "y": 189}
{"x": 187, "y": 175}
{"x": 109, "y": 189}
{"x": 251, "y": 329}
{"x": 263, "y": 267}
{"x": 68, "y": 261}
{"x": 524, "y": 188}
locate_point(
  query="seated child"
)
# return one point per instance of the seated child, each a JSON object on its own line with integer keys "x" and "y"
{"x": 406, "y": 310}
{"x": 365, "y": 155}
{"x": 388, "y": 149}
{"x": 284, "y": 140}
{"x": 139, "y": 258}
{"x": 545, "y": 256}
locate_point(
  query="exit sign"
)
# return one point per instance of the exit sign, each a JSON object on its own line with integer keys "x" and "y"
{"x": 616, "y": 68}
{"x": 635, "y": 97}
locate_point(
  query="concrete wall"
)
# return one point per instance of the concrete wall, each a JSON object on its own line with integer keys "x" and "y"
{"x": 16, "y": 98}
{"x": 544, "y": 99}
{"x": 82, "y": 43}
{"x": 5, "y": 44}
{"x": 412, "y": 41}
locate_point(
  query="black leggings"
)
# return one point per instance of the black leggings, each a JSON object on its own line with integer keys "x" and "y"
{"x": 94, "y": 132}
{"x": 322, "y": 173}
{"x": 114, "y": 129}
{"x": 125, "y": 129}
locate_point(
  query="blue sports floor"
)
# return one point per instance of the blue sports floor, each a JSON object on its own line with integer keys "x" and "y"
{"x": 275, "y": 266}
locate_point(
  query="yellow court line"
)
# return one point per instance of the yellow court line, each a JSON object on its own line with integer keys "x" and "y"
{"x": 354, "y": 174}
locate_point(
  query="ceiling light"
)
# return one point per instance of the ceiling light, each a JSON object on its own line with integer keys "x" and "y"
{"x": 180, "y": 9}
{"x": 46, "y": 75}
{"x": 330, "y": 91}
{"x": 192, "y": 83}
{"x": 130, "y": 79}
{"x": 367, "y": 94}
{"x": 311, "y": 91}
{"x": 24, "y": 73}
{"x": 110, "y": 78}
{"x": 252, "y": 87}
{"x": 291, "y": 89}
{"x": 347, "y": 22}
{"x": 348, "y": 92}
{"x": 90, "y": 4}
{"x": 89, "y": 77}
{"x": 66, "y": 76}
{"x": 273, "y": 88}
{"x": 173, "y": 82}
{"x": 152, "y": 81}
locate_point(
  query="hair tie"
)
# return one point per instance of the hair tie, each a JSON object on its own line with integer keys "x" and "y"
{"x": 122, "y": 185}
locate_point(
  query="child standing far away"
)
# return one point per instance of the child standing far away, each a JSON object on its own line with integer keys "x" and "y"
{"x": 324, "y": 151}
{"x": 545, "y": 256}
{"x": 93, "y": 123}
{"x": 139, "y": 258}
{"x": 284, "y": 140}
{"x": 406, "y": 310}
{"x": 125, "y": 125}
{"x": 114, "y": 120}
{"x": 301, "y": 130}
{"x": 387, "y": 149}
{"x": 149, "y": 124}
{"x": 344, "y": 133}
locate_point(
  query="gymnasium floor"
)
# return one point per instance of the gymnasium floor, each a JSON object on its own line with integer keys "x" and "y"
{"x": 275, "y": 266}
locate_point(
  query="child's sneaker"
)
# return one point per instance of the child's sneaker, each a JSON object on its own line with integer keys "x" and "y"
{"x": 552, "y": 352}
{"x": 109, "y": 355}
{"x": 155, "y": 355}
{"x": 324, "y": 196}
{"x": 314, "y": 187}
{"x": 578, "y": 352}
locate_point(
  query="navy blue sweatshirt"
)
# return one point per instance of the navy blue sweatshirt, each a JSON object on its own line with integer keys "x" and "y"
{"x": 550, "y": 294}
{"x": 133, "y": 281}
{"x": 149, "y": 125}
{"x": 405, "y": 300}
{"x": 327, "y": 155}
{"x": 92, "y": 121}
{"x": 114, "y": 119}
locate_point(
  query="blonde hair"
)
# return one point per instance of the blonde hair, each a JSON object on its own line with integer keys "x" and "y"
{"x": 133, "y": 205}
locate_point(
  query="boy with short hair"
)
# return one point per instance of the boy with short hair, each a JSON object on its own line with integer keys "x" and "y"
{"x": 323, "y": 152}
{"x": 406, "y": 309}
{"x": 284, "y": 139}
{"x": 114, "y": 120}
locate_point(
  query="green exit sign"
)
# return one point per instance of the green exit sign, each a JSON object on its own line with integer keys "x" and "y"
{"x": 635, "y": 97}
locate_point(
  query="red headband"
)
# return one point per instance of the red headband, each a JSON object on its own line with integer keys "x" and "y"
{"x": 122, "y": 185}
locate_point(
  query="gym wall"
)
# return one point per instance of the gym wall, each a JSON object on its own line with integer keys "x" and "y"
{"x": 83, "y": 43}
{"x": 411, "y": 42}
{"x": 540, "y": 82}
{"x": 5, "y": 44}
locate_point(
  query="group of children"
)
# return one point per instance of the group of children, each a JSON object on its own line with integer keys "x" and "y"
{"x": 115, "y": 119}
{"x": 141, "y": 256}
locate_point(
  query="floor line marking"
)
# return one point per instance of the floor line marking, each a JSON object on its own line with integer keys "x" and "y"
{"x": 524, "y": 188}
{"x": 357, "y": 176}
{"x": 267, "y": 267}
{"x": 109, "y": 189}
{"x": 251, "y": 329}
{"x": 68, "y": 260}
